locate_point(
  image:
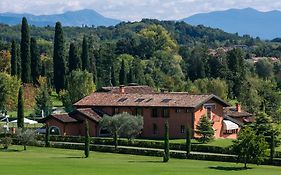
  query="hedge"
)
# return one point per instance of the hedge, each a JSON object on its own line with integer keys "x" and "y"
{"x": 140, "y": 143}
{"x": 157, "y": 153}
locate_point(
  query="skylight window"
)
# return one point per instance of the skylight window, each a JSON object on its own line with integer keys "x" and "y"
{"x": 149, "y": 100}
{"x": 139, "y": 100}
{"x": 166, "y": 100}
{"x": 122, "y": 99}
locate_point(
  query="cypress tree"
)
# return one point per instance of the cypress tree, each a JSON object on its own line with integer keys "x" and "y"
{"x": 19, "y": 70}
{"x": 166, "y": 156}
{"x": 188, "y": 141}
{"x": 20, "y": 118}
{"x": 47, "y": 136}
{"x": 113, "y": 80}
{"x": 122, "y": 74}
{"x": 35, "y": 60}
{"x": 94, "y": 68}
{"x": 25, "y": 52}
{"x": 131, "y": 76}
{"x": 74, "y": 61}
{"x": 14, "y": 59}
{"x": 85, "y": 55}
{"x": 115, "y": 140}
{"x": 59, "y": 59}
{"x": 87, "y": 139}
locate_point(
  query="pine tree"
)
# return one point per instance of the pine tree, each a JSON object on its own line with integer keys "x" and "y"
{"x": 122, "y": 74}
{"x": 113, "y": 79}
{"x": 14, "y": 59}
{"x": 35, "y": 61}
{"x": 47, "y": 136}
{"x": 85, "y": 55}
{"x": 166, "y": 156}
{"x": 87, "y": 139}
{"x": 188, "y": 141}
{"x": 74, "y": 61}
{"x": 20, "y": 119}
{"x": 205, "y": 129}
{"x": 25, "y": 52}
{"x": 59, "y": 59}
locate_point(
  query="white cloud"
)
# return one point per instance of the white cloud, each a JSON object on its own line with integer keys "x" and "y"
{"x": 135, "y": 9}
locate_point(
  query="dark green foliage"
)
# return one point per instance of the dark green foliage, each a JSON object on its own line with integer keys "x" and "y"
{"x": 188, "y": 141}
{"x": 43, "y": 102}
{"x": 66, "y": 101}
{"x": 59, "y": 64}
{"x": 85, "y": 55}
{"x": 94, "y": 69}
{"x": 122, "y": 74}
{"x": 25, "y": 52}
{"x": 250, "y": 147}
{"x": 35, "y": 61}
{"x": 272, "y": 147}
{"x": 47, "y": 136}
{"x": 113, "y": 78}
{"x": 205, "y": 129}
{"x": 87, "y": 140}
{"x": 20, "y": 114}
{"x": 19, "y": 69}
{"x": 74, "y": 61}
{"x": 237, "y": 74}
{"x": 166, "y": 155}
{"x": 14, "y": 59}
{"x": 264, "y": 69}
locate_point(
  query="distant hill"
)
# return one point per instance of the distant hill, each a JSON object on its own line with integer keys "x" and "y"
{"x": 71, "y": 18}
{"x": 265, "y": 25}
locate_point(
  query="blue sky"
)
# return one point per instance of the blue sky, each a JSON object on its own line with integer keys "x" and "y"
{"x": 135, "y": 9}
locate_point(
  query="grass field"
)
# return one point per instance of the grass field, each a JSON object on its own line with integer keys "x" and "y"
{"x": 50, "y": 161}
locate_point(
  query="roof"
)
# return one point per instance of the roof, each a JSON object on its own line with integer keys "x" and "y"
{"x": 129, "y": 89}
{"x": 64, "y": 118}
{"x": 146, "y": 100}
{"x": 232, "y": 112}
{"x": 89, "y": 113}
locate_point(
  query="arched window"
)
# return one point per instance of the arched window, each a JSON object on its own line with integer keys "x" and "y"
{"x": 54, "y": 130}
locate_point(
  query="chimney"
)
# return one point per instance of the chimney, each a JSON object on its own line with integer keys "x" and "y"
{"x": 122, "y": 89}
{"x": 238, "y": 107}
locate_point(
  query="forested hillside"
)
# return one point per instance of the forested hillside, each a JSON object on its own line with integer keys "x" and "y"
{"x": 166, "y": 55}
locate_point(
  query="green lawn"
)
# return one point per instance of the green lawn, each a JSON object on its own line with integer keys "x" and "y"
{"x": 56, "y": 100}
{"x": 49, "y": 161}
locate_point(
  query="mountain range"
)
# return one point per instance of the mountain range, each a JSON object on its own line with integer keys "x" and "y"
{"x": 71, "y": 18}
{"x": 265, "y": 25}
{"x": 248, "y": 21}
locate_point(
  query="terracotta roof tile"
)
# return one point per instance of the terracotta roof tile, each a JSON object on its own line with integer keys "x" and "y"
{"x": 146, "y": 100}
{"x": 65, "y": 118}
{"x": 232, "y": 112}
{"x": 91, "y": 114}
{"x": 129, "y": 89}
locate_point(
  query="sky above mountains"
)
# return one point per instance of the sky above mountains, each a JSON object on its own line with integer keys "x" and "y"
{"x": 135, "y": 9}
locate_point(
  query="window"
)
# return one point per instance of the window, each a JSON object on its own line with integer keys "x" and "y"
{"x": 233, "y": 131}
{"x": 182, "y": 129}
{"x": 178, "y": 110}
{"x": 149, "y": 100}
{"x": 139, "y": 100}
{"x": 166, "y": 113}
{"x": 154, "y": 112}
{"x": 155, "y": 130}
{"x": 138, "y": 111}
{"x": 166, "y": 100}
{"x": 209, "y": 113}
{"x": 116, "y": 110}
{"x": 122, "y": 99}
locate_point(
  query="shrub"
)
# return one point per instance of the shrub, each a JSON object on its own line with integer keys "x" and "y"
{"x": 6, "y": 142}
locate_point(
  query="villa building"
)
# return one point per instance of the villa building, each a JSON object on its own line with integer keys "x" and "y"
{"x": 181, "y": 110}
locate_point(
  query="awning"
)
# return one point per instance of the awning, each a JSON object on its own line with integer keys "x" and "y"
{"x": 229, "y": 125}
